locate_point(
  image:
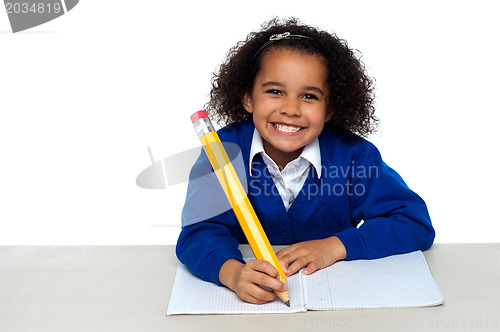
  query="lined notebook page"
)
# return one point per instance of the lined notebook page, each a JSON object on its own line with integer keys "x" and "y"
{"x": 392, "y": 282}
{"x": 192, "y": 295}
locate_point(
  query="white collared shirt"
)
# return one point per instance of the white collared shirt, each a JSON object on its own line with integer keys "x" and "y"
{"x": 290, "y": 180}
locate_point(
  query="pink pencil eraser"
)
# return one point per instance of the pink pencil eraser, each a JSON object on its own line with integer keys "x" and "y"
{"x": 198, "y": 115}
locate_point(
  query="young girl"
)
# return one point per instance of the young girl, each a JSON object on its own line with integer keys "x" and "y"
{"x": 297, "y": 102}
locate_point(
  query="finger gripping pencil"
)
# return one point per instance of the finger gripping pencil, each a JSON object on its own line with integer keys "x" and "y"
{"x": 236, "y": 195}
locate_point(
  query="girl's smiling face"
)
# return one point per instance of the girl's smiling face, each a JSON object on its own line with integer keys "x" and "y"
{"x": 288, "y": 102}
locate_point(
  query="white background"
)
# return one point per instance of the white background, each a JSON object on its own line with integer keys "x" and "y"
{"x": 83, "y": 96}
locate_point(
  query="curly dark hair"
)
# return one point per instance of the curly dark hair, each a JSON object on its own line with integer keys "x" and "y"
{"x": 350, "y": 100}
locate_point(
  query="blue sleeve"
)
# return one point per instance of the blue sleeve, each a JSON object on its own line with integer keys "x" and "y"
{"x": 204, "y": 247}
{"x": 206, "y": 241}
{"x": 395, "y": 219}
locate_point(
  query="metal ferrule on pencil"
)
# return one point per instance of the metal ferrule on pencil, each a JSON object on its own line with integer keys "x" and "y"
{"x": 203, "y": 126}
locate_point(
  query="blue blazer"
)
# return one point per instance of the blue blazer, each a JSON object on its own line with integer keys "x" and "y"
{"x": 358, "y": 198}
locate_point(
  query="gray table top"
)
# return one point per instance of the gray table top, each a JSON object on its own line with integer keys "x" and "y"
{"x": 127, "y": 288}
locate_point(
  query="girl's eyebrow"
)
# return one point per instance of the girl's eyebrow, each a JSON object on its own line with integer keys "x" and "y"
{"x": 265, "y": 85}
{"x": 307, "y": 88}
{"x": 315, "y": 89}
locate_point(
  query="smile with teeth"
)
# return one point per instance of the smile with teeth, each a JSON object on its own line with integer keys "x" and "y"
{"x": 286, "y": 128}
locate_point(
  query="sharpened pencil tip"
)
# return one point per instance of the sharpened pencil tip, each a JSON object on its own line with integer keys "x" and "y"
{"x": 287, "y": 303}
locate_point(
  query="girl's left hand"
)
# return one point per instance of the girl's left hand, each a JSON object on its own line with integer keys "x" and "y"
{"x": 313, "y": 255}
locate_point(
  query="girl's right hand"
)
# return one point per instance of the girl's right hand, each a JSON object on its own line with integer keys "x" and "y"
{"x": 246, "y": 280}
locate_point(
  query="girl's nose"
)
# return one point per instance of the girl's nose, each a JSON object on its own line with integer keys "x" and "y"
{"x": 291, "y": 108}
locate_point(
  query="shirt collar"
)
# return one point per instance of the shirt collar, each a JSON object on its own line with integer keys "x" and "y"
{"x": 311, "y": 152}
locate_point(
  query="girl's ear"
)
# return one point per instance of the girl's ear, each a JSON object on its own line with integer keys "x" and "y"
{"x": 247, "y": 102}
{"x": 328, "y": 117}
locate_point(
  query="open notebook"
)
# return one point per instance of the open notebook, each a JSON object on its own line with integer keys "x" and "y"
{"x": 397, "y": 281}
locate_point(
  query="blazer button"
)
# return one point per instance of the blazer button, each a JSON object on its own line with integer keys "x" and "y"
{"x": 285, "y": 235}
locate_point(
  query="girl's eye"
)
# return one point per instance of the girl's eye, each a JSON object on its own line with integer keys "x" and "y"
{"x": 310, "y": 96}
{"x": 274, "y": 92}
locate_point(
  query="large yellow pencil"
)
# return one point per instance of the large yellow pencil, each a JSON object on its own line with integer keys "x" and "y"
{"x": 236, "y": 195}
